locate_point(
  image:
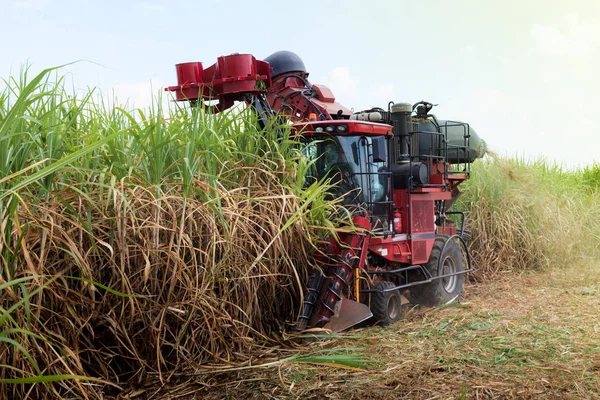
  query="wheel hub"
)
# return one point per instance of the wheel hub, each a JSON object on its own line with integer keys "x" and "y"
{"x": 393, "y": 307}
{"x": 449, "y": 267}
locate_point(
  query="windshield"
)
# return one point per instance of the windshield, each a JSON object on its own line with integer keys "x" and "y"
{"x": 359, "y": 176}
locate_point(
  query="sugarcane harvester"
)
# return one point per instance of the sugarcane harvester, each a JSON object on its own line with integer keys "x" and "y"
{"x": 397, "y": 170}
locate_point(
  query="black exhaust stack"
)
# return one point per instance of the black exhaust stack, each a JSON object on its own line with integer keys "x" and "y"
{"x": 403, "y": 169}
{"x": 401, "y": 122}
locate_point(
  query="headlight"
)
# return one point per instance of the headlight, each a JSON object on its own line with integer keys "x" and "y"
{"x": 318, "y": 129}
{"x": 329, "y": 128}
{"x": 341, "y": 128}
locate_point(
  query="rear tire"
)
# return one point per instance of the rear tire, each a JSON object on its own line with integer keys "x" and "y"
{"x": 385, "y": 306}
{"x": 444, "y": 290}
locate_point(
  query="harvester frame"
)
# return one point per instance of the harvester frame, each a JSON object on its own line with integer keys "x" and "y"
{"x": 403, "y": 187}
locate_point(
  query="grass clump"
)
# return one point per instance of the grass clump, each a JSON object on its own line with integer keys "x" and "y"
{"x": 591, "y": 177}
{"x": 530, "y": 215}
{"x": 141, "y": 245}
{"x": 136, "y": 245}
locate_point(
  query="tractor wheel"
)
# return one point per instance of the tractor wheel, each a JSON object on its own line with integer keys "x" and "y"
{"x": 385, "y": 306}
{"x": 444, "y": 290}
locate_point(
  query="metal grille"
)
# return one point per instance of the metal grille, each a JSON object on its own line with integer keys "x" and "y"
{"x": 419, "y": 251}
{"x": 422, "y": 216}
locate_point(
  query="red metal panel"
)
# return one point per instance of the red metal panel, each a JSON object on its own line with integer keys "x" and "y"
{"x": 422, "y": 214}
{"x": 324, "y": 93}
{"x": 419, "y": 251}
{"x": 189, "y": 73}
{"x": 230, "y": 75}
{"x": 392, "y": 248}
{"x": 422, "y": 250}
{"x": 353, "y": 127}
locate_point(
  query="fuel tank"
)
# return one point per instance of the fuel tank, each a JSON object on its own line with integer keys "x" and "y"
{"x": 464, "y": 144}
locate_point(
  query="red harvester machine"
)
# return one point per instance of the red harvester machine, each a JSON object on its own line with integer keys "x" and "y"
{"x": 398, "y": 169}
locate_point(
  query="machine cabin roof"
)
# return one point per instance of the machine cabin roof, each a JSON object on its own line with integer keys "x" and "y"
{"x": 342, "y": 127}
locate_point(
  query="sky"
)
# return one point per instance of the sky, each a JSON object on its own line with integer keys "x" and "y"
{"x": 522, "y": 73}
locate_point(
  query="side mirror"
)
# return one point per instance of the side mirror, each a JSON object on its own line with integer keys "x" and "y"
{"x": 379, "y": 149}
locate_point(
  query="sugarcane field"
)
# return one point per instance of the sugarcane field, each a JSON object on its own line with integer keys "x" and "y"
{"x": 287, "y": 219}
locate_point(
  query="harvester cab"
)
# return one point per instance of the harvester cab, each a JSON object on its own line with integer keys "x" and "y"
{"x": 352, "y": 154}
{"x": 397, "y": 170}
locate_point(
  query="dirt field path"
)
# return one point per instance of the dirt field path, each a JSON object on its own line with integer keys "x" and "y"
{"x": 535, "y": 336}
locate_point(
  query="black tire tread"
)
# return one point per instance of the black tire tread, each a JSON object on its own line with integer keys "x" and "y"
{"x": 380, "y": 300}
{"x": 433, "y": 294}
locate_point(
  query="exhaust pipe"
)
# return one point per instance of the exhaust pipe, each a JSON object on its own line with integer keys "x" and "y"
{"x": 400, "y": 118}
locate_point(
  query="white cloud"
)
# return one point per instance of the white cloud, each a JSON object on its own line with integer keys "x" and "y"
{"x": 343, "y": 86}
{"x": 545, "y": 110}
{"x": 513, "y": 122}
{"x": 563, "y": 89}
{"x": 572, "y": 36}
{"x": 349, "y": 91}
{"x": 380, "y": 95}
